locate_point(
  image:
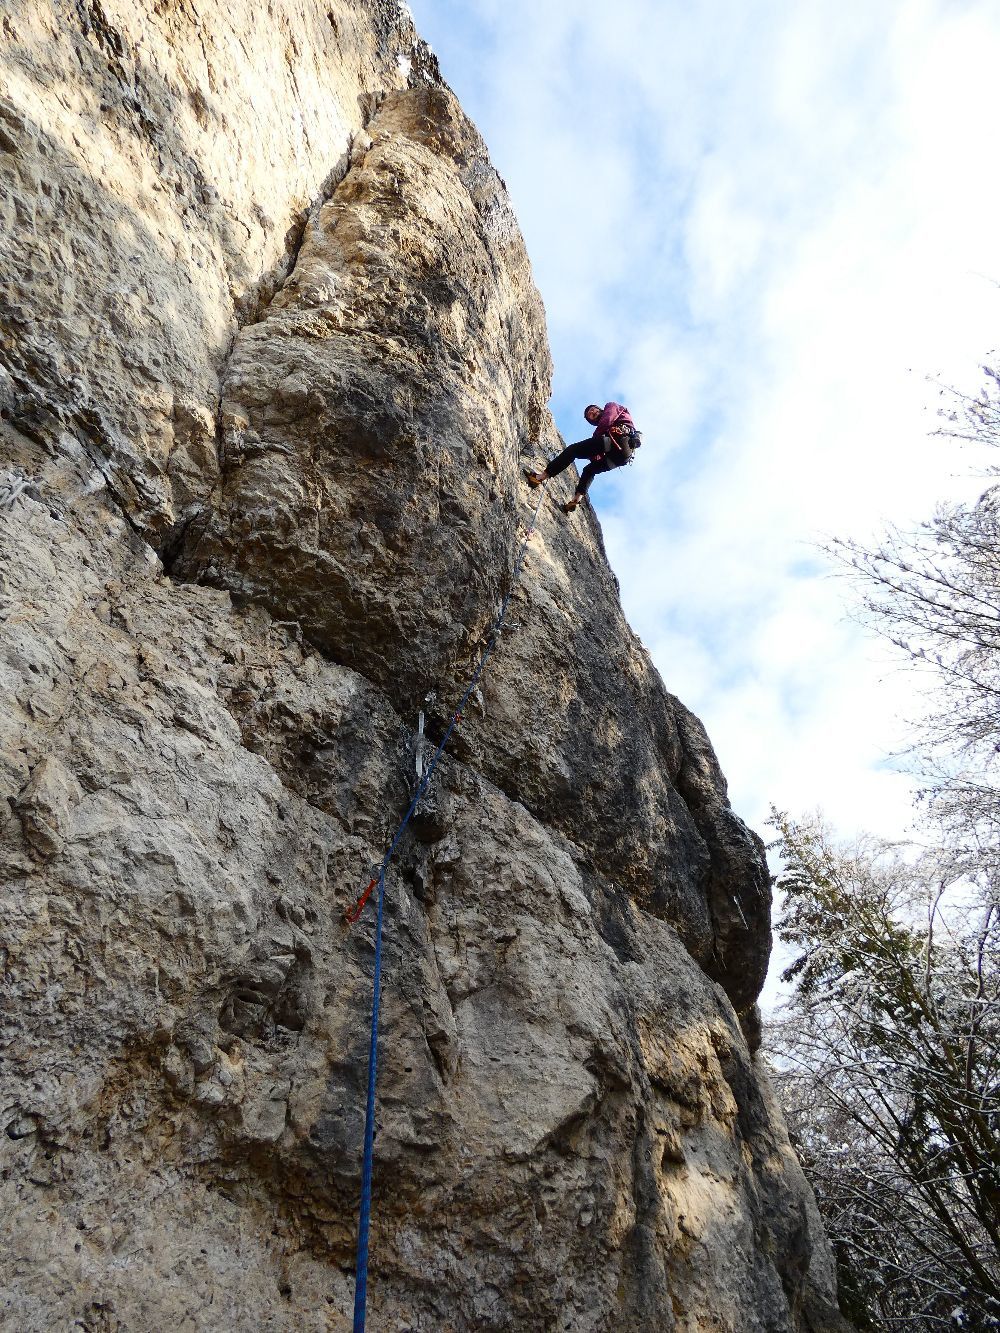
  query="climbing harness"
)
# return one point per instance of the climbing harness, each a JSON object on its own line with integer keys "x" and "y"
{"x": 623, "y": 430}
{"x": 625, "y": 439}
{"x": 353, "y": 913}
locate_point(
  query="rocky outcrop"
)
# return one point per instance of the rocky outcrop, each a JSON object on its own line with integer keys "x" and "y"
{"x": 272, "y": 364}
{"x": 375, "y": 421}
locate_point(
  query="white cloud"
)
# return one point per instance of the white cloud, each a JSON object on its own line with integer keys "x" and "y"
{"x": 763, "y": 226}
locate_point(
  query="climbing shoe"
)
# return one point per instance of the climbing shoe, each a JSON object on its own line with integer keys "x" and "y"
{"x": 570, "y": 505}
{"x": 534, "y": 478}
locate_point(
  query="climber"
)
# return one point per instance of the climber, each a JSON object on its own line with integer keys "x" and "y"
{"x": 611, "y": 445}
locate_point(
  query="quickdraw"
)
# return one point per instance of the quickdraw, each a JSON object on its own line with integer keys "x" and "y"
{"x": 351, "y": 914}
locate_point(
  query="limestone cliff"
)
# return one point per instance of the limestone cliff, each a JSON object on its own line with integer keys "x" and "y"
{"x": 271, "y": 361}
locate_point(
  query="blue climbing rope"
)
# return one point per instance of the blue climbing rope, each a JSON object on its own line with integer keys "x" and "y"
{"x": 361, "y": 1272}
{"x": 378, "y": 882}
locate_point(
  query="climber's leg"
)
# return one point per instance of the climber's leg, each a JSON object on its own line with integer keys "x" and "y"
{"x": 586, "y": 477}
{"x": 571, "y": 454}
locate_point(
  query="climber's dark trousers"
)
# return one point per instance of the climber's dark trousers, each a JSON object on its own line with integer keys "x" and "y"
{"x": 586, "y": 449}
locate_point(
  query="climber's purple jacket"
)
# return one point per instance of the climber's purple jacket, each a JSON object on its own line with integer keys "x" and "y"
{"x": 612, "y": 412}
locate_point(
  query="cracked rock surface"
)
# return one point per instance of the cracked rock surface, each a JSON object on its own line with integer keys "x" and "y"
{"x": 271, "y": 363}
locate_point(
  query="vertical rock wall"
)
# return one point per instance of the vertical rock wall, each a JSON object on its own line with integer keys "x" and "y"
{"x": 271, "y": 360}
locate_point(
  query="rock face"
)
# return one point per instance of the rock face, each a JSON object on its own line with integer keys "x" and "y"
{"x": 271, "y": 362}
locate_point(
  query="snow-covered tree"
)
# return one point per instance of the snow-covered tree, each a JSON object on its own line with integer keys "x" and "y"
{"x": 935, "y": 593}
{"x": 887, "y": 1055}
{"x": 886, "y": 1058}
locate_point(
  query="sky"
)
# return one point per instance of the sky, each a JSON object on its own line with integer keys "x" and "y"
{"x": 770, "y": 230}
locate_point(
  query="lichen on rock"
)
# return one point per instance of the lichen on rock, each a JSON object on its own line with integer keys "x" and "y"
{"x": 272, "y": 360}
